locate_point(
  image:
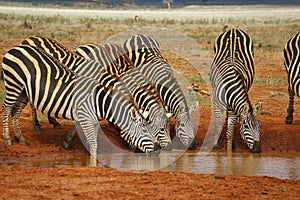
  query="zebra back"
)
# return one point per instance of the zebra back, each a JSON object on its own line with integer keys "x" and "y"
{"x": 235, "y": 47}
{"x": 232, "y": 69}
{"x": 291, "y": 54}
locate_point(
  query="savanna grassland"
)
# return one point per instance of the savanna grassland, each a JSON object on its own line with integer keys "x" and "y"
{"x": 269, "y": 26}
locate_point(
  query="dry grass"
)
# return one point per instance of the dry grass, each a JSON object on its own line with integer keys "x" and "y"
{"x": 270, "y": 27}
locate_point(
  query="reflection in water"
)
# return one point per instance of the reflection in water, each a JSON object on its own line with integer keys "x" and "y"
{"x": 283, "y": 166}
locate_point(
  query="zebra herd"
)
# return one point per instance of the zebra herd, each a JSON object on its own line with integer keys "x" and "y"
{"x": 134, "y": 88}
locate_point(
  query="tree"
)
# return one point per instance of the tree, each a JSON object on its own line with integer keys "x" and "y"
{"x": 168, "y": 2}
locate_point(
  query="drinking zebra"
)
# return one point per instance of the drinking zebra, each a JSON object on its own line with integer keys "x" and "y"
{"x": 132, "y": 77}
{"x": 145, "y": 54}
{"x": 292, "y": 65}
{"x": 231, "y": 76}
{"x": 129, "y": 82}
{"x": 55, "y": 90}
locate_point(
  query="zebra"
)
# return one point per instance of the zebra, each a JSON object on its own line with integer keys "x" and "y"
{"x": 292, "y": 65}
{"x": 231, "y": 76}
{"x": 113, "y": 63}
{"x": 146, "y": 56}
{"x": 131, "y": 78}
{"x": 54, "y": 89}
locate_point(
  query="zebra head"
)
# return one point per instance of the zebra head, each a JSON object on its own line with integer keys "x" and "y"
{"x": 160, "y": 125}
{"x": 185, "y": 127}
{"x": 250, "y": 127}
{"x": 138, "y": 134}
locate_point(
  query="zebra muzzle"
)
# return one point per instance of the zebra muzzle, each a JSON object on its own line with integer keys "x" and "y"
{"x": 256, "y": 147}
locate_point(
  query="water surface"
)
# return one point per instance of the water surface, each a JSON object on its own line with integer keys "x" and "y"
{"x": 279, "y": 165}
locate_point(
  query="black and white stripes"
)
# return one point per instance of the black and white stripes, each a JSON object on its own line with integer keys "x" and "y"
{"x": 146, "y": 95}
{"x": 145, "y": 54}
{"x": 231, "y": 76}
{"x": 113, "y": 64}
{"x": 292, "y": 65}
{"x": 54, "y": 89}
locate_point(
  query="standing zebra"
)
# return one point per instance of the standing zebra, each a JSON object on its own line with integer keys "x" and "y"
{"x": 132, "y": 78}
{"x": 114, "y": 64}
{"x": 144, "y": 52}
{"x": 292, "y": 65}
{"x": 231, "y": 76}
{"x": 55, "y": 90}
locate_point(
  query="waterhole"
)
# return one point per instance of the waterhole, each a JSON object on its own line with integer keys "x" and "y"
{"x": 279, "y": 165}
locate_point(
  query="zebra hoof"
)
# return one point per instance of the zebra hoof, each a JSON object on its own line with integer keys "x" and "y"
{"x": 8, "y": 142}
{"x": 21, "y": 141}
{"x": 288, "y": 121}
{"x": 66, "y": 145}
{"x": 37, "y": 128}
{"x": 57, "y": 127}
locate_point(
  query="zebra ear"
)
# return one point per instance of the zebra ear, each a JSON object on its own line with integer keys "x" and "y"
{"x": 245, "y": 109}
{"x": 257, "y": 107}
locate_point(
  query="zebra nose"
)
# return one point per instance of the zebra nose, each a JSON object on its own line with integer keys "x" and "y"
{"x": 256, "y": 147}
{"x": 193, "y": 145}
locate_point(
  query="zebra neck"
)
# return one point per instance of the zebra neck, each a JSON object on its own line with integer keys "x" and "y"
{"x": 240, "y": 107}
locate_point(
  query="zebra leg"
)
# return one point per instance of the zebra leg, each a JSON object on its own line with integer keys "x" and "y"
{"x": 67, "y": 143}
{"x": 290, "y": 109}
{"x": 88, "y": 128}
{"x": 6, "y": 111}
{"x": 218, "y": 125}
{"x": 55, "y": 124}
{"x": 16, "y": 112}
{"x": 230, "y": 130}
{"x": 35, "y": 121}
